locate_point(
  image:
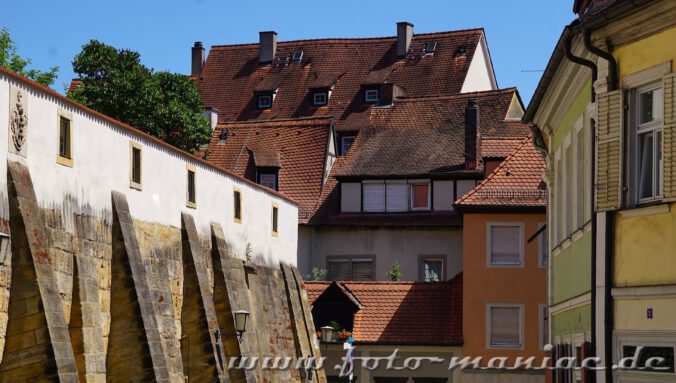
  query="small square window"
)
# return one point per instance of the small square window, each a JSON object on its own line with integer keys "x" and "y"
{"x": 269, "y": 180}
{"x": 191, "y": 197}
{"x": 237, "y": 198}
{"x": 345, "y": 144}
{"x": 371, "y": 95}
{"x": 319, "y": 98}
{"x": 420, "y": 196}
{"x": 264, "y": 101}
{"x": 504, "y": 244}
{"x": 275, "y": 216}
{"x": 432, "y": 270}
{"x": 135, "y": 170}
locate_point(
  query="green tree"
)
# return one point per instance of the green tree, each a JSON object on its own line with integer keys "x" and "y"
{"x": 165, "y": 105}
{"x": 12, "y": 61}
{"x": 395, "y": 273}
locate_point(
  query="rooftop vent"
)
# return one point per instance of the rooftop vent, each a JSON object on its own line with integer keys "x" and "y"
{"x": 297, "y": 57}
{"x": 430, "y": 47}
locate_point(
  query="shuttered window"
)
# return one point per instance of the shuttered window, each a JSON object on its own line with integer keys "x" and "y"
{"x": 505, "y": 326}
{"x": 609, "y": 152}
{"x": 580, "y": 176}
{"x": 505, "y": 244}
{"x": 397, "y": 197}
{"x": 669, "y": 138}
{"x": 374, "y": 197}
{"x": 339, "y": 270}
{"x": 351, "y": 269}
{"x": 362, "y": 269}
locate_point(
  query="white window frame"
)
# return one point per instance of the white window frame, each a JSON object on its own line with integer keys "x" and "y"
{"x": 429, "y": 194}
{"x": 520, "y": 306}
{"x": 433, "y": 258}
{"x": 579, "y": 174}
{"x": 372, "y": 95}
{"x": 343, "y": 152}
{"x": 489, "y": 241}
{"x": 315, "y": 95}
{"x": 654, "y": 127}
{"x": 261, "y": 104}
{"x": 558, "y": 199}
{"x": 652, "y": 338}
{"x": 133, "y": 184}
{"x": 568, "y": 179}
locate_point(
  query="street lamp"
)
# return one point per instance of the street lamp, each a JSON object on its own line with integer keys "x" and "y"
{"x": 327, "y": 335}
{"x": 241, "y": 319}
{"x": 4, "y": 247}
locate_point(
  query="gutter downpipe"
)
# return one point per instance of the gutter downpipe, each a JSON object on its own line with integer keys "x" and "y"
{"x": 594, "y": 75}
{"x": 609, "y": 264}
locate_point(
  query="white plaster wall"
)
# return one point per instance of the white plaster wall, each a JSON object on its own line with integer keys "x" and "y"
{"x": 101, "y": 163}
{"x": 387, "y": 244}
{"x": 480, "y": 75}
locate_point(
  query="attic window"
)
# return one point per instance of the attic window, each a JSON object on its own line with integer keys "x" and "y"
{"x": 461, "y": 51}
{"x": 264, "y": 101}
{"x": 320, "y": 98}
{"x": 297, "y": 57}
{"x": 430, "y": 47}
{"x": 371, "y": 95}
{"x": 224, "y": 135}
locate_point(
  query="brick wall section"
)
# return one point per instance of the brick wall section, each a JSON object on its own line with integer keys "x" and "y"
{"x": 37, "y": 337}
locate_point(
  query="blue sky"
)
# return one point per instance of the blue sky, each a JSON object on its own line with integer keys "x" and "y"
{"x": 521, "y": 33}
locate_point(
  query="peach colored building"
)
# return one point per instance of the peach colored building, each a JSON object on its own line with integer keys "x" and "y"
{"x": 505, "y": 265}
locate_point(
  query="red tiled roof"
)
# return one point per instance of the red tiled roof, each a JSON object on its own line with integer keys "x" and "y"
{"x": 498, "y": 147}
{"x": 297, "y": 147}
{"x": 404, "y": 312}
{"x": 424, "y": 136}
{"x": 516, "y": 182}
{"x": 231, "y": 74}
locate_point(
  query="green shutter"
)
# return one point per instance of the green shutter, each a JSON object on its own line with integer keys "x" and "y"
{"x": 669, "y": 138}
{"x": 609, "y": 151}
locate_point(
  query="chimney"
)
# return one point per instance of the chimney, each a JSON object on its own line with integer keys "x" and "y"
{"x": 197, "y": 58}
{"x": 472, "y": 137}
{"x": 404, "y": 36}
{"x": 267, "y": 47}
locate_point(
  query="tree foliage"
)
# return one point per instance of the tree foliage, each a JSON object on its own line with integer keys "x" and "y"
{"x": 165, "y": 105}
{"x": 11, "y": 60}
{"x": 395, "y": 273}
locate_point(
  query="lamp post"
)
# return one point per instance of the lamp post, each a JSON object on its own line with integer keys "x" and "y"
{"x": 241, "y": 319}
{"x": 327, "y": 335}
{"x": 4, "y": 247}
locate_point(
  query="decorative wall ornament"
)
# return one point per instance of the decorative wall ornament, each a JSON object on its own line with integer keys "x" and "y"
{"x": 18, "y": 121}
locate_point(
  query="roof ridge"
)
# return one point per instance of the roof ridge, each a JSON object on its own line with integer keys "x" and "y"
{"x": 497, "y": 170}
{"x": 352, "y": 39}
{"x": 298, "y": 120}
{"x": 457, "y": 96}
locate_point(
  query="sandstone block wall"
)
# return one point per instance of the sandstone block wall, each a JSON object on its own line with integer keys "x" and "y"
{"x": 88, "y": 299}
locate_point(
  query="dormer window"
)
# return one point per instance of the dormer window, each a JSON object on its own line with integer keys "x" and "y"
{"x": 430, "y": 47}
{"x": 320, "y": 98}
{"x": 268, "y": 178}
{"x": 224, "y": 135}
{"x": 371, "y": 96}
{"x": 264, "y": 101}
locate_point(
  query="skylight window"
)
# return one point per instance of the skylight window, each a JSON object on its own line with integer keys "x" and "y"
{"x": 297, "y": 57}
{"x": 224, "y": 135}
{"x": 430, "y": 47}
{"x": 320, "y": 98}
{"x": 371, "y": 95}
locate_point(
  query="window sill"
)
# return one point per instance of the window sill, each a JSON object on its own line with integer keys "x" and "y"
{"x": 64, "y": 161}
{"x": 135, "y": 185}
{"x": 661, "y": 208}
{"x": 238, "y": 220}
{"x": 275, "y": 234}
{"x": 505, "y": 265}
{"x": 192, "y": 205}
